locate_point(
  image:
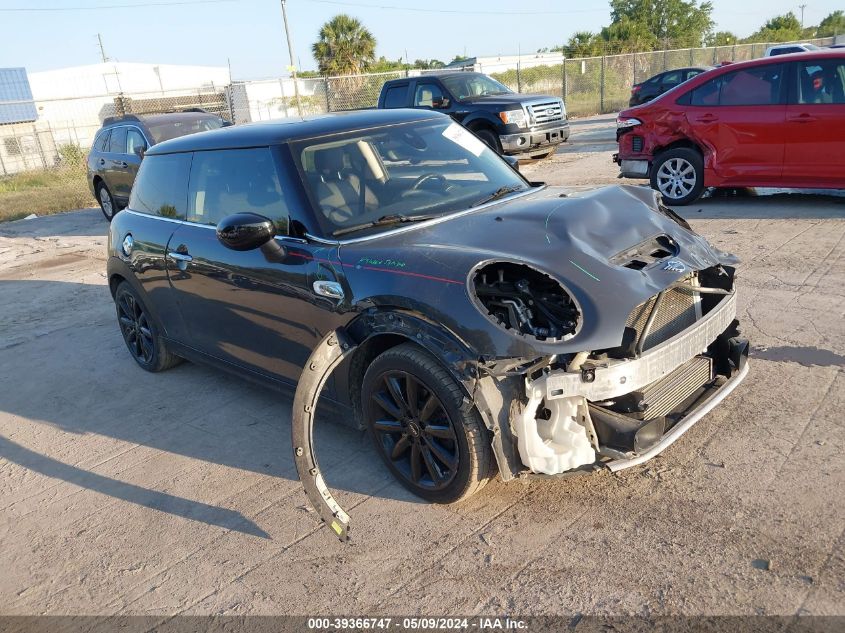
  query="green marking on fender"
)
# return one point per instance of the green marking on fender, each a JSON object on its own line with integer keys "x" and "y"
{"x": 584, "y": 270}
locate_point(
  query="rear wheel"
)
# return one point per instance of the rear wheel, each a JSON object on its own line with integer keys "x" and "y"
{"x": 140, "y": 333}
{"x": 678, "y": 174}
{"x": 415, "y": 415}
{"x": 107, "y": 203}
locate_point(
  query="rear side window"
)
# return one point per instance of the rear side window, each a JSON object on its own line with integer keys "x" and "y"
{"x": 236, "y": 181}
{"x": 396, "y": 96}
{"x": 102, "y": 142}
{"x": 161, "y": 187}
{"x": 760, "y": 85}
{"x": 117, "y": 144}
{"x": 821, "y": 81}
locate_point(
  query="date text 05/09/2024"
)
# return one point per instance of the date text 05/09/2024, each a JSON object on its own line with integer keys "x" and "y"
{"x": 418, "y": 623}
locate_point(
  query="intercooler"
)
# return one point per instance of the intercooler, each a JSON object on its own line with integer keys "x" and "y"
{"x": 677, "y": 309}
{"x": 657, "y": 320}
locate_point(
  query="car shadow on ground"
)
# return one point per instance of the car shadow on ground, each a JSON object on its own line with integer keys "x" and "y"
{"x": 764, "y": 204}
{"x": 96, "y": 390}
{"x": 82, "y": 223}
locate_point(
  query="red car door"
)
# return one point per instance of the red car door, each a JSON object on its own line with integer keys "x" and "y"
{"x": 815, "y": 125}
{"x": 739, "y": 116}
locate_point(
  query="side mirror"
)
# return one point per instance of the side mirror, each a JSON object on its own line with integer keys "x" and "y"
{"x": 245, "y": 231}
{"x": 440, "y": 104}
{"x": 140, "y": 151}
{"x": 513, "y": 161}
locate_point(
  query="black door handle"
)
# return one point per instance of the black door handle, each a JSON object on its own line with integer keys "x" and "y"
{"x": 102, "y": 162}
{"x": 124, "y": 164}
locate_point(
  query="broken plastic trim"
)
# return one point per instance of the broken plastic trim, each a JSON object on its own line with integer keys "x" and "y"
{"x": 328, "y": 354}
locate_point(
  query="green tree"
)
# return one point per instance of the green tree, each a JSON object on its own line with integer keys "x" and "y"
{"x": 628, "y": 35}
{"x": 722, "y": 38}
{"x": 679, "y": 22}
{"x": 583, "y": 44}
{"x": 781, "y": 28}
{"x": 344, "y": 47}
{"x": 428, "y": 63}
{"x": 834, "y": 24}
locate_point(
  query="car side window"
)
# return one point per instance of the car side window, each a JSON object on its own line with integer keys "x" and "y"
{"x": 821, "y": 81}
{"x": 135, "y": 141}
{"x": 161, "y": 187}
{"x": 396, "y": 96}
{"x": 752, "y": 86}
{"x": 671, "y": 79}
{"x": 427, "y": 95}
{"x": 230, "y": 181}
{"x": 102, "y": 143}
{"x": 117, "y": 144}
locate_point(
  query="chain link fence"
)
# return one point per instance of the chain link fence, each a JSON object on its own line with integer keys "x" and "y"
{"x": 56, "y": 142}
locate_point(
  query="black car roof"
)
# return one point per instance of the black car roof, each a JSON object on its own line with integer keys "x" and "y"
{"x": 282, "y": 130}
{"x": 437, "y": 75}
{"x": 155, "y": 119}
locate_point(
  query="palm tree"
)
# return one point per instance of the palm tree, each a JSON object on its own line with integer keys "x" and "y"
{"x": 345, "y": 47}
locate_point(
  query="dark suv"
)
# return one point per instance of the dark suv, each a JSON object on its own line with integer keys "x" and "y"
{"x": 467, "y": 318}
{"x": 120, "y": 144}
{"x": 507, "y": 122}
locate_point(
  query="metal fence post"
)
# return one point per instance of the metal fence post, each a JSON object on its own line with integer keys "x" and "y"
{"x": 563, "y": 80}
{"x": 601, "y": 83}
{"x": 518, "y": 76}
{"x": 326, "y": 86}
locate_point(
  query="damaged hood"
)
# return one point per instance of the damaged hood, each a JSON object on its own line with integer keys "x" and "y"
{"x": 586, "y": 240}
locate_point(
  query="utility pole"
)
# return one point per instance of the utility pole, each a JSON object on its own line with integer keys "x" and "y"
{"x": 292, "y": 67}
{"x": 802, "y": 7}
{"x": 102, "y": 50}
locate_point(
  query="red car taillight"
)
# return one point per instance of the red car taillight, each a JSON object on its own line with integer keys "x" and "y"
{"x": 635, "y": 89}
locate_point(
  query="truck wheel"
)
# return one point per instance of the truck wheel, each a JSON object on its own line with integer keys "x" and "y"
{"x": 678, "y": 174}
{"x": 435, "y": 446}
{"x": 489, "y": 139}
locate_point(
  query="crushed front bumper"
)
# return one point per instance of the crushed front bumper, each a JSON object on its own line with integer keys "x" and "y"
{"x": 535, "y": 138}
{"x": 569, "y": 397}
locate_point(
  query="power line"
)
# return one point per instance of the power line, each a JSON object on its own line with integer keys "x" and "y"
{"x": 169, "y": 3}
{"x": 453, "y": 11}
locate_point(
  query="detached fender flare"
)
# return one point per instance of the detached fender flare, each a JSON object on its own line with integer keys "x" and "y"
{"x": 328, "y": 354}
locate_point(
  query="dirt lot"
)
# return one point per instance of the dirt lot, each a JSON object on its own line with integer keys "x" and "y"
{"x": 125, "y": 492}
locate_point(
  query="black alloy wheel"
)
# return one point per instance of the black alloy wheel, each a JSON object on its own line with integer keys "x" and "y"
{"x": 139, "y": 332}
{"x": 413, "y": 411}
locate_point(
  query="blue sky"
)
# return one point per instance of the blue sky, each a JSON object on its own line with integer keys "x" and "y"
{"x": 249, "y": 33}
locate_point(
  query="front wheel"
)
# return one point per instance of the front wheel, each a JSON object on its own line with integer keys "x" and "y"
{"x": 678, "y": 174}
{"x": 415, "y": 415}
{"x": 489, "y": 139}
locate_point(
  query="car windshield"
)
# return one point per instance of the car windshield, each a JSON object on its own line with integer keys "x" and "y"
{"x": 167, "y": 130}
{"x": 368, "y": 180}
{"x": 467, "y": 86}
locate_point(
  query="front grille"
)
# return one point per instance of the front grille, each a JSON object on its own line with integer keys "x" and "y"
{"x": 637, "y": 144}
{"x": 661, "y": 397}
{"x": 678, "y": 310}
{"x": 546, "y": 112}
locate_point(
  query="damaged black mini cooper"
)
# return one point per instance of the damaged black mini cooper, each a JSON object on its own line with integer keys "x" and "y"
{"x": 469, "y": 319}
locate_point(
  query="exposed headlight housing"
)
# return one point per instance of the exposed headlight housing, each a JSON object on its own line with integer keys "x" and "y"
{"x": 514, "y": 117}
{"x": 525, "y": 301}
{"x": 623, "y": 124}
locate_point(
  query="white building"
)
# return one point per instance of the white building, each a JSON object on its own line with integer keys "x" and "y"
{"x": 501, "y": 63}
{"x": 74, "y": 101}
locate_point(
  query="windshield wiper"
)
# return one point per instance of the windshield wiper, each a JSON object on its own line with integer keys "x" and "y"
{"x": 384, "y": 220}
{"x": 501, "y": 192}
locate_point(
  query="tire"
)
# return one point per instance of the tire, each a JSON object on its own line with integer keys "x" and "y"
{"x": 678, "y": 174}
{"x": 107, "y": 204}
{"x": 435, "y": 446}
{"x": 489, "y": 138}
{"x": 544, "y": 155}
{"x": 140, "y": 333}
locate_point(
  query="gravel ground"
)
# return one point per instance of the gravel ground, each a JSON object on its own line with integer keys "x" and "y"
{"x": 129, "y": 493}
